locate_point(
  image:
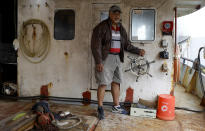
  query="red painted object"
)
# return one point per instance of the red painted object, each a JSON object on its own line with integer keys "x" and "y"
{"x": 86, "y": 97}
{"x": 167, "y": 26}
{"x": 44, "y": 90}
{"x": 129, "y": 95}
{"x": 166, "y": 107}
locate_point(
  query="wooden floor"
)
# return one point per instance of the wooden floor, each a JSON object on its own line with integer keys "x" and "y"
{"x": 184, "y": 120}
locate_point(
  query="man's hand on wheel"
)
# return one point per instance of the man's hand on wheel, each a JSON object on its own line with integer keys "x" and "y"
{"x": 142, "y": 52}
{"x": 99, "y": 67}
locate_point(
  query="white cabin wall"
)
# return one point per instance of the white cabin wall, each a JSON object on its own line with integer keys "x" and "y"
{"x": 149, "y": 87}
{"x": 69, "y": 80}
{"x": 71, "y": 75}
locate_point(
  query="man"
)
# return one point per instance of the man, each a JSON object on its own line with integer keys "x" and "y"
{"x": 109, "y": 40}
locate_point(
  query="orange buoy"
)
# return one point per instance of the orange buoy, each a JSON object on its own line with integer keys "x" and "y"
{"x": 166, "y": 107}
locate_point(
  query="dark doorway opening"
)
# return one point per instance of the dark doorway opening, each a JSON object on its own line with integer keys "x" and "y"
{"x": 8, "y": 56}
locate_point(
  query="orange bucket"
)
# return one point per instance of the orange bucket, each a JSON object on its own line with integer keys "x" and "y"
{"x": 166, "y": 107}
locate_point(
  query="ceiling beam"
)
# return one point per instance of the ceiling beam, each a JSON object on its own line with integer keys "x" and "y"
{"x": 185, "y": 7}
{"x": 189, "y": 2}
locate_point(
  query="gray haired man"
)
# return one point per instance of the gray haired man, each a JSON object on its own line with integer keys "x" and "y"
{"x": 109, "y": 40}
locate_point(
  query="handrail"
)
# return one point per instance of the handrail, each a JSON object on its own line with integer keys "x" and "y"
{"x": 180, "y": 42}
{"x": 190, "y": 60}
{"x": 186, "y": 59}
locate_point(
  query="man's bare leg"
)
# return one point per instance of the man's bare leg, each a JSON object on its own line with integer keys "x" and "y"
{"x": 115, "y": 89}
{"x": 100, "y": 94}
{"x": 115, "y": 94}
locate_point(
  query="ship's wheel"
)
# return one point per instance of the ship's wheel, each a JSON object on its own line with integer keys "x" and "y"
{"x": 139, "y": 66}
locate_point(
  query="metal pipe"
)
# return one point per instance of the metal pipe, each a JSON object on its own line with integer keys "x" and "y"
{"x": 175, "y": 55}
{"x": 53, "y": 98}
{"x": 190, "y": 60}
{"x": 175, "y": 10}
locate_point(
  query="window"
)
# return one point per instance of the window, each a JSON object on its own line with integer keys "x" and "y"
{"x": 142, "y": 25}
{"x": 104, "y": 15}
{"x": 64, "y": 25}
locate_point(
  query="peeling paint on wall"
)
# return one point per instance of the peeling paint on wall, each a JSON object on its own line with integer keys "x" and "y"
{"x": 66, "y": 56}
{"x": 72, "y": 78}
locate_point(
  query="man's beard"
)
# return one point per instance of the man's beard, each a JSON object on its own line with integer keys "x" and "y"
{"x": 118, "y": 21}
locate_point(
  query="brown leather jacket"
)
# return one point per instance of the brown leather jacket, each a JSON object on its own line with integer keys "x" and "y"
{"x": 101, "y": 42}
